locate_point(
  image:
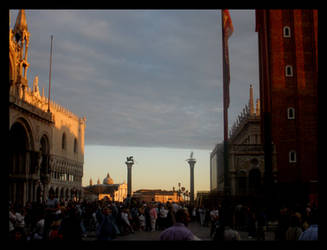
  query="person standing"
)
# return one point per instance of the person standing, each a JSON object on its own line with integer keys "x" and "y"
{"x": 294, "y": 230}
{"x": 202, "y": 213}
{"x": 105, "y": 229}
{"x": 194, "y": 214}
{"x": 12, "y": 221}
{"x": 179, "y": 230}
{"x": 214, "y": 216}
{"x": 153, "y": 218}
{"x": 147, "y": 217}
{"x": 163, "y": 217}
{"x": 125, "y": 220}
{"x": 70, "y": 227}
{"x": 51, "y": 208}
{"x": 311, "y": 233}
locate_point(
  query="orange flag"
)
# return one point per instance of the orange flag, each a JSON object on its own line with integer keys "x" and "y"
{"x": 228, "y": 29}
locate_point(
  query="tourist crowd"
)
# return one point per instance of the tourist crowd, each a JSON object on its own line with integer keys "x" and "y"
{"x": 60, "y": 220}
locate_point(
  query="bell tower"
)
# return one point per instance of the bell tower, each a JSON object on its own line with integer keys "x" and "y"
{"x": 22, "y": 37}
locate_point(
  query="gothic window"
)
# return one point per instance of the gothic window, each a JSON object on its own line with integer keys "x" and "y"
{"x": 291, "y": 113}
{"x": 292, "y": 156}
{"x": 63, "y": 143}
{"x": 288, "y": 70}
{"x": 287, "y": 31}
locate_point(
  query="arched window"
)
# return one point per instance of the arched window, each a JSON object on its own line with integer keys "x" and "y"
{"x": 288, "y": 70}
{"x": 287, "y": 31}
{"x": 75, "y": 145}
{"x": 63, "y": 142}
{"x": 291, "y": 113}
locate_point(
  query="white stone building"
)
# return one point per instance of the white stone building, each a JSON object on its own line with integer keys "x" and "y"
{"x": 46, "y": 150}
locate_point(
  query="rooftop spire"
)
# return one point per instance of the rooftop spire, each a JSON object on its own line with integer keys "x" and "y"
{"x": 20, "y": 25}
{"x": 251, "y": 104}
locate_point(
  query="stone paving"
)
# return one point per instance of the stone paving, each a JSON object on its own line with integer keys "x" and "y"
{"x": 203, "y": 233}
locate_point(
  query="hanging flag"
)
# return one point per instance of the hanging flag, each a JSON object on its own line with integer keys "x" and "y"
{"x": 228, "y": 29}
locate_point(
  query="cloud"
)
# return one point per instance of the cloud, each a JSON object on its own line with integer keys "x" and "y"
{"x": 141, "y": 77}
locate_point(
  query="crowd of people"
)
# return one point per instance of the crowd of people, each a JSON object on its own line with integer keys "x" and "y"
{"x": 60, "y": 220}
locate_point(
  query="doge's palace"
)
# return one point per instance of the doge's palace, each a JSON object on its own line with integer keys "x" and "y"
{"x": 46, "y": 149}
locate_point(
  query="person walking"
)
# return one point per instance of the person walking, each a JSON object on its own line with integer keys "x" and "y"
{"x": 179, "y": 230}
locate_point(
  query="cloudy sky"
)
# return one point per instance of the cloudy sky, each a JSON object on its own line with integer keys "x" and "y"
{"x": 144, "y": 78}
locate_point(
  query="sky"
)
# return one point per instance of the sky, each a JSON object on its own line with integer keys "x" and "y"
{"x": 149, "y": 83}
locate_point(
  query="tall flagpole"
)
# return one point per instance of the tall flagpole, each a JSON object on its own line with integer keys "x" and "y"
{"x": 50, "y": 74}
{"x": 225, "y": 108}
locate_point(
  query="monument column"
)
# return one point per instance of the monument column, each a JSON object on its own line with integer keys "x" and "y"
{"x": 191, "y": 162}
{"x": 129, "y": 162}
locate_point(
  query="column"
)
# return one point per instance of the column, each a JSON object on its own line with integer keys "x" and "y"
{"x": 191, "y": 162}
{"x": 129, "y": 179}
{"x": 129, "y": 162}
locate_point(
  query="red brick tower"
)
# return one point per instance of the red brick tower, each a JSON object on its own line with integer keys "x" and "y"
{"x": 288, "y": 62}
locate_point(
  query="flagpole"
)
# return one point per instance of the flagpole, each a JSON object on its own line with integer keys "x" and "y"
{"x": 50, "y": 74}
{"x": 225, "y": 109}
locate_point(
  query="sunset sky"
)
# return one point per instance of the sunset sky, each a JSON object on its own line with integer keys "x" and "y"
{"x": 149, "y": 83}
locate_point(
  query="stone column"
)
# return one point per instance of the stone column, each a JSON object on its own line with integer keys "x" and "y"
{"x": 129, "y": 163}
{"x": 191, "y": 162}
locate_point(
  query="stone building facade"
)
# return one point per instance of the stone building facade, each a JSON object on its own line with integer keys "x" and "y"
{"x": 246, "y": 154}
{"x": 46, "y": 150}
{"x": 157, "y": 195}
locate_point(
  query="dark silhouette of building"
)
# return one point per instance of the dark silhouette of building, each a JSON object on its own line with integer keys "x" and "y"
{"x": 288, "y": 61}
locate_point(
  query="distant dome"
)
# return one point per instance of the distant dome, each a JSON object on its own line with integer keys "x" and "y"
{"x": 108, "y": 180}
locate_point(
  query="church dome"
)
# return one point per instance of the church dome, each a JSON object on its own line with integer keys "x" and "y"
{"x": 108, "y": 180}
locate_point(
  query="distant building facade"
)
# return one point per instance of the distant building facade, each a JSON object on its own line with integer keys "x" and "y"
{"x": 201, "y": 198}
{"x": 113, "y": 192}
{"x": 217, "y": 168}
{"x": 246, "y": 154}
{"x": 158, "y": 195}
{"x": 288, "y": 60}
{"x": 46, "y": 150}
